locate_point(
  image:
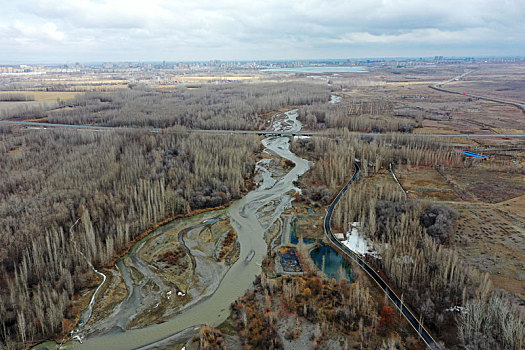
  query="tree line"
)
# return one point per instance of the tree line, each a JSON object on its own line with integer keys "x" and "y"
{"x": 232, "y": 106}
{"x": 16, "y": 97}
{"x": 356, "y": 115}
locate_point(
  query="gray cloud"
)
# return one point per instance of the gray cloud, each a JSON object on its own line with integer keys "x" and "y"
{"x": 87, "y": 30}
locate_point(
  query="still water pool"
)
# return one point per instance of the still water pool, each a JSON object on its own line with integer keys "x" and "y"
{"x": 330, "y": 262}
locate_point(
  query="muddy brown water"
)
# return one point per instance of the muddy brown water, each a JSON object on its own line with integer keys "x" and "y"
{"x": 243, "y": 214}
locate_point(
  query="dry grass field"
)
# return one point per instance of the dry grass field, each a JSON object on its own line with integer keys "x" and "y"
{"x": 490, "y": 231}
{"x": 488, "y": 186}
{"x": 44, "y": 96}
{"x": 505, "y": 82}
{"x": 427, "y": 184}
{"x": 408, "y": 89}
{"x": 491, "y": 237}
{"x": 63, "y": 82}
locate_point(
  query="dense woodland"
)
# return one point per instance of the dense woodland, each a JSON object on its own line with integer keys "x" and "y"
{"x": 369, "y": 116}
{"x": 26, "y": 110}
{"x": 234, "y": 106}
{"x": 411, "y": 238}
{"x": 16, "y": 97}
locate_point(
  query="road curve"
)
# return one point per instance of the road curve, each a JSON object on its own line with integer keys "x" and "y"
{"x": 44, "y": 126}
{"x": 439, "y": 87}
{"x": 420, "y": 329}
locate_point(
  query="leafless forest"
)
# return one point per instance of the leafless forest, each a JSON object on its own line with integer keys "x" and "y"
{"x": 290, "y": 306}
{"x": 371, "y": 116}
{"x": 237, "y": 106}
{"x": 14, "y": 97}
{"x": 117, "y": 183}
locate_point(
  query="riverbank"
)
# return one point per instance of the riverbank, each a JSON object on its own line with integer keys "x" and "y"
{"x": 170, "y": 270}
{"x": 244, "y": 219}
{"x": 83, "y": 298}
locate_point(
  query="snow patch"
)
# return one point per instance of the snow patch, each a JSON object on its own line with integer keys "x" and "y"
{"x": 355, "y": 241}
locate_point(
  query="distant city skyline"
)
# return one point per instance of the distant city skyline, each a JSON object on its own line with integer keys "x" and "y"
{"x": 276, "y": 62}
{"x": 56, "y": 31}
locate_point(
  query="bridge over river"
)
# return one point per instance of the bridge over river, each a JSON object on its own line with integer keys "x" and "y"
{"x": 101, "y": 128}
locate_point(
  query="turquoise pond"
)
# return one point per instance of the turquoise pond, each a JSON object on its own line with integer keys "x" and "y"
{"x": 332, "y": 261}
{"x": 318, "y": 70}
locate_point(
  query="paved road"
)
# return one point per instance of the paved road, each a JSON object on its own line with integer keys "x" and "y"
{"x": 420, "y": 329}
{"x": 44, "y": 126}
{"x": 440, "y": 87}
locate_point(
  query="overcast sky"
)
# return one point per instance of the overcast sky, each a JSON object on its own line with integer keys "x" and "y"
{"x": 59, "y": 31}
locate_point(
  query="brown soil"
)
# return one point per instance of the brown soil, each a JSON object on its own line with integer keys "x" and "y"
{"x": 488, "y": 185}
{"x": 426, "y": 183}
{"x": 490, "y": 231}
{"x": 505, "y": 82}
{"x": 491, "y": 238}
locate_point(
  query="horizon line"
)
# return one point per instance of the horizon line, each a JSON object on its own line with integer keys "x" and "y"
{"x": 383, "y": 58}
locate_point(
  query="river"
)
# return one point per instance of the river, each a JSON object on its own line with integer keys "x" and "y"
{"x": 243, "y": 215}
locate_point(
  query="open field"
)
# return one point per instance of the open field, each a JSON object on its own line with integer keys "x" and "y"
{"x": 407, "y": 89}
{"x": 491, "y": 238}
{"x": 44, "y": 96}
{"x": 426, "y": 184}
{"x": 108, "y": 81}
{"x": 507, "y": 82}
{"x": 486, "y": 185}
{"x": 490, "y": 231}
{"x": 83, "y": 79}
{"x": 176, "y": 80}
{"x": 62, "y": 82}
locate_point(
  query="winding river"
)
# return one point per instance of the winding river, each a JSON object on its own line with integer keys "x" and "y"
{"x": 243, "y": 214}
